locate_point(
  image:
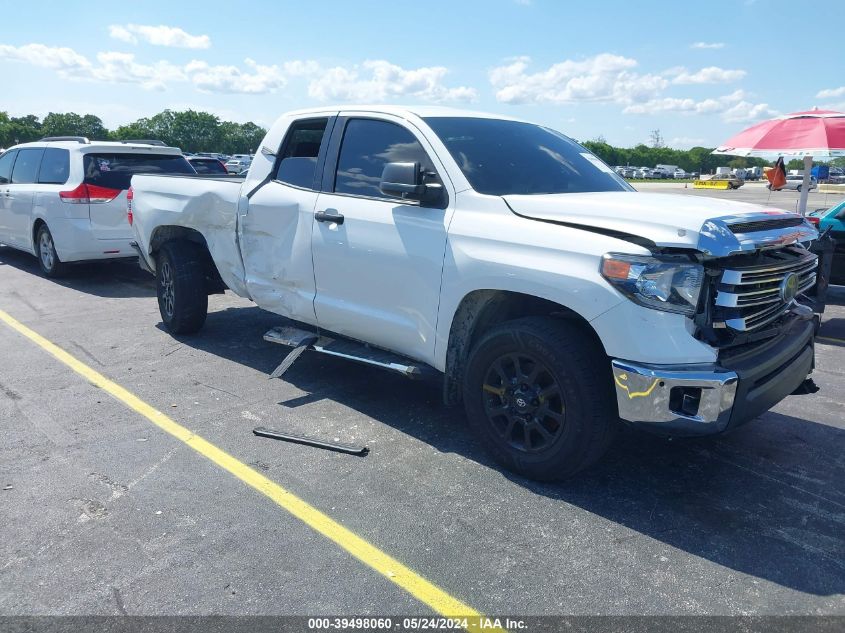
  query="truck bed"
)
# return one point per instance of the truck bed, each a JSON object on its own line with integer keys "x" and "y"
{"x": 207, "y": 205}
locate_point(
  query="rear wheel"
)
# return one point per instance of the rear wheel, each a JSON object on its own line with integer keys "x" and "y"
{"x": 537, "y": 393}
{"x": 180, "y": 286}
{"x": 48, "y": 259}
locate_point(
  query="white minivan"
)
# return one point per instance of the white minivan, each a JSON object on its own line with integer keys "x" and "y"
{"x": 63, "y": 199}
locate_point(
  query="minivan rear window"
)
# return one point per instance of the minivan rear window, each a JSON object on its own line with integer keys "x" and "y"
{"x": 115, "y": 171}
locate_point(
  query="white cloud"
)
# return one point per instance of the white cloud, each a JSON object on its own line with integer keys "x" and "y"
{"x": 605, "y": 77}
{"x": 709, "y": 75}
{"x": 708, "y": 45}
{"x": 733, "y": 107}
{"x": 160, "y": 35}
{"x": 747, "y": 112}
{"x": 58, "y": 58}
{"x": 110, "y": 67}
{"x": 115, "y": 67}
{"x": 231, "y": 79}
{"x": 376, "y": 80}
{"x": 383, "y": 81}
{"x": 830, "y": 93}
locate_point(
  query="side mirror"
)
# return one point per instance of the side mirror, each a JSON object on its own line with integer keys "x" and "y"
{"x": 405, "y": 180}
{"x": 402, "y": 180}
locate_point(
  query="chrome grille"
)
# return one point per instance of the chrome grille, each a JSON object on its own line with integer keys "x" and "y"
{"x": 749, "y": 297}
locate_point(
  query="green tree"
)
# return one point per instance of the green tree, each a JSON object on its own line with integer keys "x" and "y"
{"x": 14, "y": 130}
{"x": 73, "y": 124}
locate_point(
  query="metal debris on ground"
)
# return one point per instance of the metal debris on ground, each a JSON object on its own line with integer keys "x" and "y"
{"x": 307, "y": 441}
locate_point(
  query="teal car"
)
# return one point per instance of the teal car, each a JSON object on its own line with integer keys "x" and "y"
{"x": 834, "y": 219}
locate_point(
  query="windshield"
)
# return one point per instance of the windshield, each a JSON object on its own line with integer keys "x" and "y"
{"x": 502, "y": 158}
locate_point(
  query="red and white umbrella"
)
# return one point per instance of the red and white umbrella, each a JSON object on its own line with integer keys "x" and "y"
{"x": 811, "y": 134}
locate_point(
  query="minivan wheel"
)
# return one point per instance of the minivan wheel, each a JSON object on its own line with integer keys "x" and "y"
{"x": 537, "y": 392}
{"x": 180, "y": 286}
{"x": 48, "y": 259}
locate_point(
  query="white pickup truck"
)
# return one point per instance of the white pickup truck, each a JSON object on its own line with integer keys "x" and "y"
{"x": 501, "y": 256}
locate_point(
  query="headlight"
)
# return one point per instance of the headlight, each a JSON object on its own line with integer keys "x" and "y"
{"x": 661, "y": 285}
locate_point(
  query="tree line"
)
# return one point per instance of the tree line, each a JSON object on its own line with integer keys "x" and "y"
{"x": 696, "y": 159}
{"x": 204, "y": 132}
{"x": 189, "y": 130}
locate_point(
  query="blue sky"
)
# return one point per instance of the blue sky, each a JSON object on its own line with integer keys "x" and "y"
{"x": 699, "y": 72}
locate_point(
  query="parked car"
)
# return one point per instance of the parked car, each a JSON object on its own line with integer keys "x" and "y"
{"x": 642, "y": 173}
{"x": 238, "y": 164}
{"x": 63, "y": 198}
{"x": 204, "y": 165}
{"x": 733, "y": 181}
{"x": 796, "y": 182}
{"x": 833, "y": 219}
{"x": 679, "y": 174}
{"x": 503, "y": 259}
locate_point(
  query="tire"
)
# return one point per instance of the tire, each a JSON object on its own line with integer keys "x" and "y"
{"x": 180, "y": 286}
{"x": 560, "y": 416}
{"x": 798, "y": 188}
{"x": 45, "y": 250}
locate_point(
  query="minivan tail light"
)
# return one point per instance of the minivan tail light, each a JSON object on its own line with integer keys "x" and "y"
{"x": 815, "y": 221}
{"x": 89, "y": 194}
{"x": 129, "y": 195}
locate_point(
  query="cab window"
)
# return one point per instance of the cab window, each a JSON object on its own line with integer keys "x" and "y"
{"x": 298, "y": 163}
{"x": 367, "y": 145}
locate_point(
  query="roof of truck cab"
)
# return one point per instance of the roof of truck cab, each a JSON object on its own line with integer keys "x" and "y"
{"x": 422, "y": 111}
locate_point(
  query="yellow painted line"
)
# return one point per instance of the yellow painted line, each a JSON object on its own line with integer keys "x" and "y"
{"x": 420, "y": 588}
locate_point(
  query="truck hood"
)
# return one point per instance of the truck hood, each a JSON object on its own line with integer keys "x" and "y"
{"x": 713, "y": 226}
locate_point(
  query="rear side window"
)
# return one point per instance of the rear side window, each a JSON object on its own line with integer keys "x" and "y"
{"x": 26, "y": 166}
{"x": 298, "y": 164}
{"x": 369, "y": 144}
{"x": 6, "y": 162}
{"x": 55, "y": 166}
{"x": 115, "y": 171}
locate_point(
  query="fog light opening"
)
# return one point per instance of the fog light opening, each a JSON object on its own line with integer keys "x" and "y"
{"x": 685, "y": 400}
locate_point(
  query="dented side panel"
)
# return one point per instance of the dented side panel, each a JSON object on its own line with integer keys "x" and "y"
{"x": 208, "y": 206}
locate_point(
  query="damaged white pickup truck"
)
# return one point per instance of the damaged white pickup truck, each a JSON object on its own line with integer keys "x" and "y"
{"x": 501, "y": 256}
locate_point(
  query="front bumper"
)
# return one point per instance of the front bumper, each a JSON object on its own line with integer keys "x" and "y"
{"x": 664, "y": 397}
{"x": 703, "y": 400}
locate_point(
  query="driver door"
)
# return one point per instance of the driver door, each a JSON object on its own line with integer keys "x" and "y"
{"x": 378, "y": 260}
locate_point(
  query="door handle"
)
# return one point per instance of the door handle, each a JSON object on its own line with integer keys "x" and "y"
{"x": 329, "y": 215}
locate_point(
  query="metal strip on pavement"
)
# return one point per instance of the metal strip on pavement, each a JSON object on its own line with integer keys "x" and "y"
{"x": 397, "y": 573}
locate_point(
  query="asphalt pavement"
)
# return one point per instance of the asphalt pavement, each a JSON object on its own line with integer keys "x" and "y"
{"x": 106, "y": 513}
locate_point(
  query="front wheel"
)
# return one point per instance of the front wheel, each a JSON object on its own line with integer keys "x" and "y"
{"x": 48, "y": 259}
{"x": 537, "y": 391}
{"x": 180, "y": 286}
